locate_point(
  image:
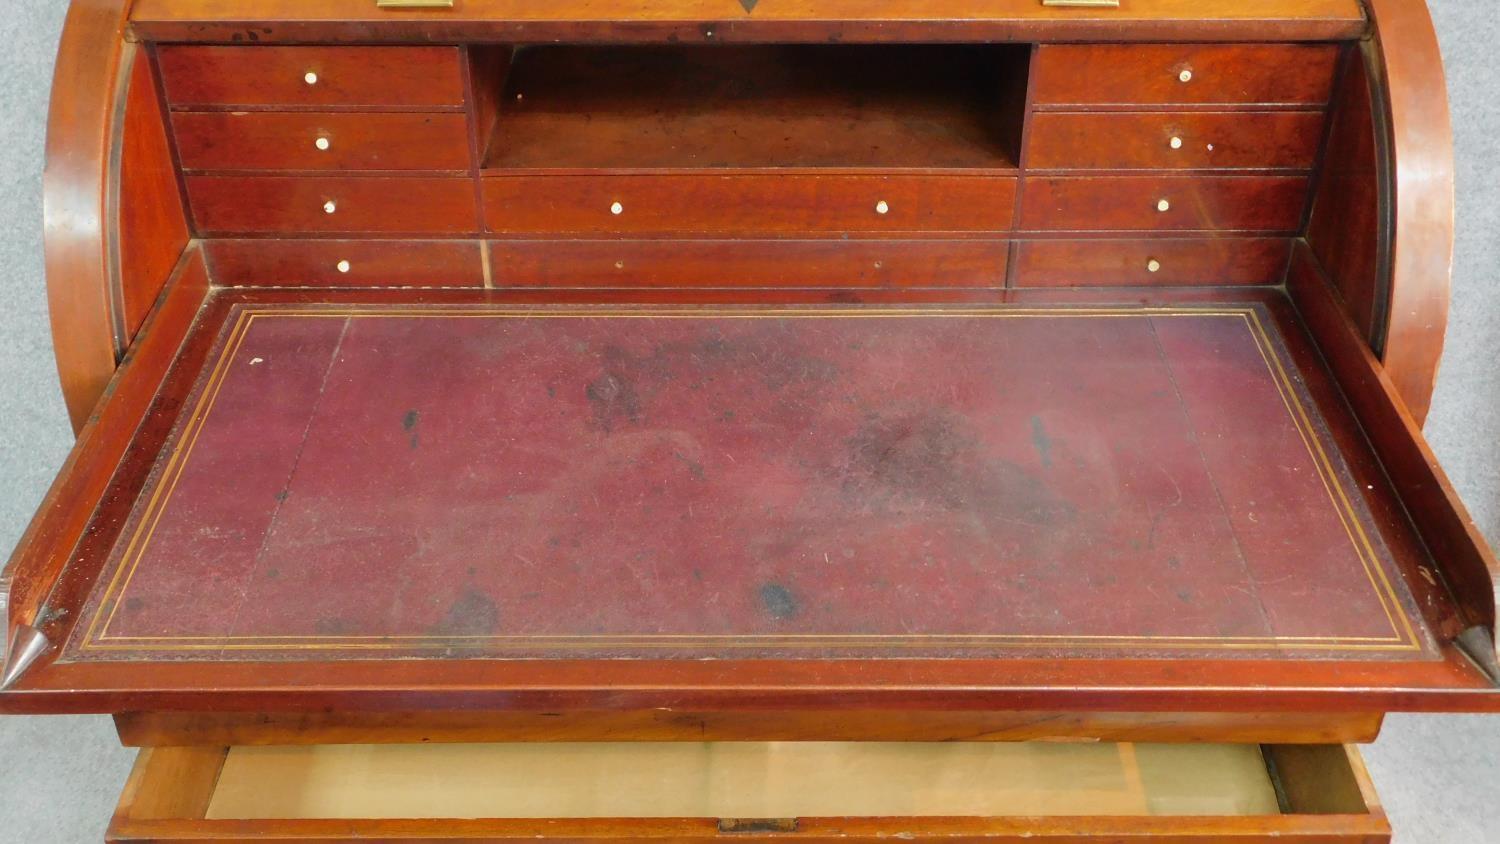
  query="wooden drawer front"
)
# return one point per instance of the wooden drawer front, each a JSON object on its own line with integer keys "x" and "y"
{"x": 710, "y": 264}
{"x": 1170, "y": 74}
{"x": 426, "y": 77}
{"x": 1155, "y": 261}
{"x": 345, "y": 263}
{"x": 853, "y": 792}
{"x": 238, "y": 140}
{"x": 264, "y": 204}
{"x": 769, "y": 205}
{"x": 1174, "y": 140}
{"x": 1164, "y": 203}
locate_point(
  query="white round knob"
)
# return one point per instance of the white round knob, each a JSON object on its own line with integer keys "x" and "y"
{"x": 1153, "y": 265}
{"x": 882, "y": 207}
{"x": 343, "y": 266}
{"x": 1163, "y": 205}
{"x": 310, "y": 78}
{"x": 1185, "y": 76}
{"x": 323, "y": 143}
{"x": 330, "y": 206}
{"x": 1175, "y": 143}
{"x": 616, "y": 208}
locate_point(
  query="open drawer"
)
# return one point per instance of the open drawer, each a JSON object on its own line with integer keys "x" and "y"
{"x": 1032, "y": 791}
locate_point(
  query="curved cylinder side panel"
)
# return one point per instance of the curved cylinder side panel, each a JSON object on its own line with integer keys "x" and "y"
{"x": 1409, "y": 72}
{"x": 75, "y": 191}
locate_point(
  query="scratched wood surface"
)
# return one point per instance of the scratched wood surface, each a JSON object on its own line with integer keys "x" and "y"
{"x": 749, "y": 482}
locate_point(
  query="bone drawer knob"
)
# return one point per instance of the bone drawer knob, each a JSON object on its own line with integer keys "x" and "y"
{"x": 616, "y": 208}
{"x": 1153, "y": 265}
{"x": 1175, "y": 143}
{"x": 1163, "y": 205}
{"x": 330, "y": 206}
{"x": 342, "y": 266}
{"x": 1185, "y": 75}
{"x": 310, "y": 78}
{"x": 323, "y": 143}
{"x": 882, "y": 207}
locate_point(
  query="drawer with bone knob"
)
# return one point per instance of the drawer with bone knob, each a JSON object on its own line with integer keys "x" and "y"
{"x": 1178, "y": 140}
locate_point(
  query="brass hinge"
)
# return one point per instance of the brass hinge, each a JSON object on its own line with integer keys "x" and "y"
{"x": 1111, "y": 4}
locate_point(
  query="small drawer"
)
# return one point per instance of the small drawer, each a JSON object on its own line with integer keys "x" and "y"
{"x": 763, "y": 205}
{"x": 1182, "y": 140}
{"x": 345, "y": 263}
{"x": 239, "y": 140}
{"x": 1156, "y": 261}
{"x": 292, "y": 204}
{"x": 742, "y": 264}
{"x": 1183, "y": 74}
{"x": 695, "y": 791}
{"x": 425, "y": 77}
{"x": 1164, "y": 203}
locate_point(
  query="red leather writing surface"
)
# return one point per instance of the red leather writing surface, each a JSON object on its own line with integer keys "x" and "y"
{"x": 749, "y": 482}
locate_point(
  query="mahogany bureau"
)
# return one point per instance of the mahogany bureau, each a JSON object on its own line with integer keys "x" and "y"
{"x": 820, "y": 420}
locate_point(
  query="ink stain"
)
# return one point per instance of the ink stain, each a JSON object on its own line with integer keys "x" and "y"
{"x": 694, "y": 467}
{"x": 614, "y": 401}
{"x": 778, "y": 601}
{"x": 472, "y": 613}
{"x": 921, "y": 457}
{"x": 1041, "y": 441}
{"x": 409, "y": 425}
{"x": 283, "y": 495}
{"x": 331, "y": 627}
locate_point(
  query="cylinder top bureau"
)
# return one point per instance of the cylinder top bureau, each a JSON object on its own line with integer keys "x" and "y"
{"x": 810, "y": 420}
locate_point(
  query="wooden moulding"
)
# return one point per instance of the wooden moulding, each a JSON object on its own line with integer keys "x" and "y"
{"x": 114, "y": 219}
{"x": 1411, "y": 95}
{"x": 158, "y": 729}
{"x": 687, "y": 21}
{"x": 75, "y": 188}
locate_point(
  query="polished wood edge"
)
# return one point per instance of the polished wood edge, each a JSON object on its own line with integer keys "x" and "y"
{"x": 828, "y": 686}
{"x": 1293, "y": 829}
{"x": 157, "y": 729}
{"x": 1407, "y": 72}
{"x": 87, "y": 95}
{"x": 1460, "y": 554}
{"x": 69, "y": 505}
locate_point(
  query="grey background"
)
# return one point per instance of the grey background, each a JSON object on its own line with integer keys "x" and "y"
{"x": 59, "y": 776}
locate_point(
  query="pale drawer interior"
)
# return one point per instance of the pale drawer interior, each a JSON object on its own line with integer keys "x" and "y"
{"x": 739, "y": 787}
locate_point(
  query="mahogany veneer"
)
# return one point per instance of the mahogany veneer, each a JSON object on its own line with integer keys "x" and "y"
{"x": 320, "y": 141}
{"x": 747, "y": 205}
{"x": 1273, "y": 140}
{"x": 1183, "y": 74}
{"x": 287, "y": 77}
{"x": 331, "y": 204}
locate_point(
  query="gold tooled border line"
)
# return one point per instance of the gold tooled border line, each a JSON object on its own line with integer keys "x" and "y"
{"x": 97, "y": 638}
